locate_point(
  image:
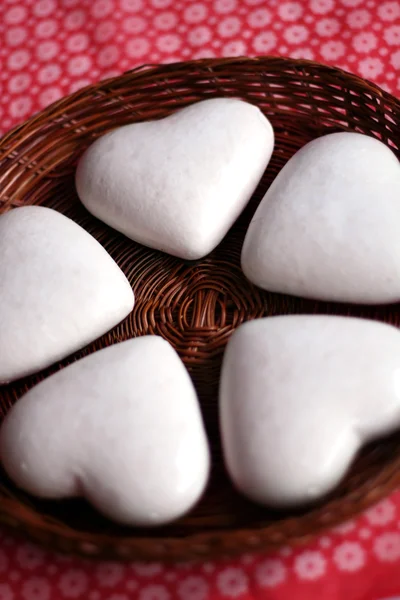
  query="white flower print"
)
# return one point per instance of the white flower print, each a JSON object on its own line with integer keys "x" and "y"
{"x": 327, "y": 27}
{"x": 229, "y": 27}
{"x": 74, "y": 20}
{"x": 364, "y": 533}
{"x": 332, "y": 50}
{"x": 389, "y": 11}
{"x": 42, "y": 8}
{"x": 79, "y": 64}
{"x": 15, "y": 15}
{"x": 392, "y": 35}
{"x": 165, "y": 21}
{"x": 18, "y": 60}
{"x": 147, "y": 569}
{"x": 6, "y": 592}
{"x": 29, "y": 556}
{"x": 199, "y": 36}
{"x": 77, "y": 42}
{"x": 15, "y": 36}
{"x": 195, "y": 13}
{"x": 19, "y": 83}
{"x": 345, "y": 528}
{"x": 321, "y": 7}
{"x": 47, "y": 50}
{"x": 133, "y": 25}
{"x": 73, "y": 583}
{"x": 259, "y": 18}
{"x": 109, "y": 573}
{"x": 232, "y": 582}
{"x": 132, "y": 5}
{"x": 364, "y": 42}
{"x": 358, "y": 19}
{"x": 387, "y": 547}
{"x": 325, "y": 542}
{"x": 370, "y": 67}
{"x": 235, "y": 48}
{"x": 161, "y": 3}
{"x": 101, "y": 8}
{"x": 36, "y": 588}
{"x": 193, "y": 588}
{"x": 352, "y": 3}
{"x": 168, "y": 43}
{"x": 46, "y": 29}
{"x": 295, "y": 34}
{"x": 306, "y": 53}
{"x": 270, "y": 573}
{"x": 20, "y": 107}
{"x": 349, "y": 556}
{"x": 264, "y": 42}
{"x": 172, "y": 58}
{"x": 225, "y": 6}
{"x": 290, "y": 11}
{"x": 80, "y": 83}
{"x": 5, "y": 125}
{"x": 137, "y": 47}
{"x": 107, "y": 56}
{"x": 310, "y": 565}
{"x": 204, "y": 53}
{"x": 395, "y": 59}
{"x": 154, "y": 592}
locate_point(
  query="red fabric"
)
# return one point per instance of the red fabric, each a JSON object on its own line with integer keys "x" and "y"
{"x": 49, "y": 48}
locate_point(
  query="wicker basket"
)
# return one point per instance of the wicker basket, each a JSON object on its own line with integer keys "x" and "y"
{"x": 195, "y": 306}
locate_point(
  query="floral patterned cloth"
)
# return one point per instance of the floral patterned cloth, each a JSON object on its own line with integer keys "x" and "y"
{"x": 49, "y": 48}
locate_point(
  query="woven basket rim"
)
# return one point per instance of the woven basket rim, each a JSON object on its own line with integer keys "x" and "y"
{"x": 152, "y": 68}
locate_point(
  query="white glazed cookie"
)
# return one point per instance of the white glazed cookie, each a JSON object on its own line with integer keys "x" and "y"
{"x": 299, "y": 396}
{"x": 59, "y": 290}
{"x": 121, "y": 427}
{"x": 329, "y": 226}
{"x": 178, "y": 184}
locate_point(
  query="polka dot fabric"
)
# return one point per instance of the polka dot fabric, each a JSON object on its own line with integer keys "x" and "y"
{"x": 358, "y": 560}
{"x": 49, "y": 48}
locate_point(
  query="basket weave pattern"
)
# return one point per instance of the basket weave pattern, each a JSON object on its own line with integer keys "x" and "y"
{"x": 196, "y": 306}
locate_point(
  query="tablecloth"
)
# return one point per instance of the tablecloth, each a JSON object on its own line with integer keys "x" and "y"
{"x": 49, "y": 48}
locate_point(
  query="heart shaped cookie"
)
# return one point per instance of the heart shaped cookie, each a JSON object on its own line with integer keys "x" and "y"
{"x": 59, "y": 290}
{"x": 121, "y": 427}
{"x": 329, "y": 226}
{"x": 178, "y": 184}
{"x": 299, "y": 396}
